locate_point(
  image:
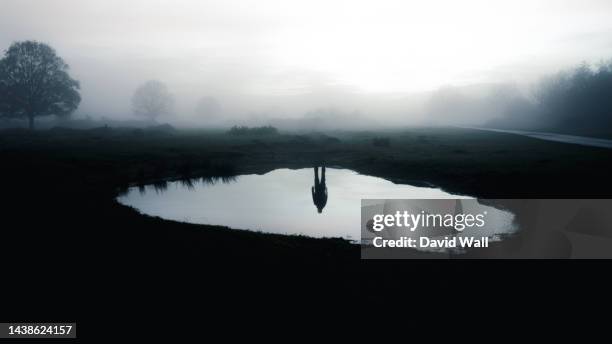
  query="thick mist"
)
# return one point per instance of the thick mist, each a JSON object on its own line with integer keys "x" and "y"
{"x": 322, "y": 64}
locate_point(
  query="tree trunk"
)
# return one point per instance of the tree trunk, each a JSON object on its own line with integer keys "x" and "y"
{"x": 31, "y": 122}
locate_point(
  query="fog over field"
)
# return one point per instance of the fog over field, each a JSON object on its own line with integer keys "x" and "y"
{"x": 325, "y": 63}
{"x": 204, "y": 158}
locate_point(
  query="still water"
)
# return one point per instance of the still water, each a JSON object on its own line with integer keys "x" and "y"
{"x": 313, "y": 202}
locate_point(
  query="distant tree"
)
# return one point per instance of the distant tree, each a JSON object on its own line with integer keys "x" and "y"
{"x": 577, "y": 101}
{"x": 208, "y": 107}
{"x": 34, "y": 82}
{"x": 152, "y": 100}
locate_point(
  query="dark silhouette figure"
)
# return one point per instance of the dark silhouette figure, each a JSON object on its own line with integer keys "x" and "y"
{"x": 319, "y": 190}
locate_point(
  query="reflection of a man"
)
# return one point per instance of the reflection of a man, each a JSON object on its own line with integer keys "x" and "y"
{"x": 319, "y": 190}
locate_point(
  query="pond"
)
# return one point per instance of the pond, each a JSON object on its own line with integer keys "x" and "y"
{"x": 316, "y": 202}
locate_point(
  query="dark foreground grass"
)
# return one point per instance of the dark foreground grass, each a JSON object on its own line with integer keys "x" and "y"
{"x": 74, "y": 253}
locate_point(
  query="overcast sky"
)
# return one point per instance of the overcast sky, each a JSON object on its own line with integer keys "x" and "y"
{"x": 252, "y": 48}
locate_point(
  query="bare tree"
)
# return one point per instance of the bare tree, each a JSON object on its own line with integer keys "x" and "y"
{"x": 152, "y": 100}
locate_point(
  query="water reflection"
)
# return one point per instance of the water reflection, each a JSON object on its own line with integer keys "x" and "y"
{"x": 189, "y": 183}
{"x": 276, "y": 202}
{"x": 160, "y": 186}
{"x": 319, "y": 190}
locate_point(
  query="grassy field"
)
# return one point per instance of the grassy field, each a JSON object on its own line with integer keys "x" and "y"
{"x": 61, "y": 218}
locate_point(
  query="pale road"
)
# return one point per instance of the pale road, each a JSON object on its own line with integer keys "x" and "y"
{"x": 578, "y": 140}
